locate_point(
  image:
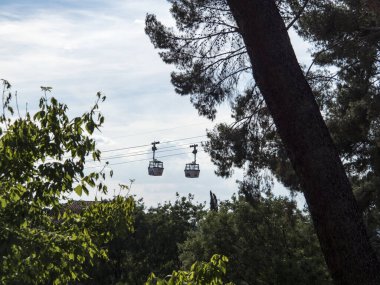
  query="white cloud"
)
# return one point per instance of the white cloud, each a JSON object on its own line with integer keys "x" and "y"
{"x": 139, "y": 21}
{"x": 83, "y": 47}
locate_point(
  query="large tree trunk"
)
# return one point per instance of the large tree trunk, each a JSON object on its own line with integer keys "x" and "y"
{"x": 334, "y": 211}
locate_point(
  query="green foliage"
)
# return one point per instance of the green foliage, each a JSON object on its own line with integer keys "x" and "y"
{"x": 107, "y": 222}
{"x": 201, "y": 273}
{"x": 212, "y": 66}
{"x": 64, "y": 248}
{"x": 41, "y": 163}
{"x": 43, "y": 155}
{"x": 46, "y": 253}
{"x": 210, "y": 57}
{"x": 268, "y": 242}
{"x": 109, "y": 219}
{"x": 153, "y": 245}
{"x": 345, "y": 80}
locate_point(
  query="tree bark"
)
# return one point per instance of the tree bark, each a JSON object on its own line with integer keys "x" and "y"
{"x": 337, "y": 220}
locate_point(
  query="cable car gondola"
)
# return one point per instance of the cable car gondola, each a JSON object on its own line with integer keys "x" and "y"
{"x": 156, "y": 167}
{"x": 192, "y": 169}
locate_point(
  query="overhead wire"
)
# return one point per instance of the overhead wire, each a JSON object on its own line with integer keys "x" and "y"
{"x": 148, "y": 152}
{"x": 138, "y": 146}
{"x": 148, "y": 145}
{"x": 176, "y": 147}
{"x": 145, "y": 153}
{"x": 189, "y": 143}
{"x": 161, "y": 130}
{"x": 136, "y": 154}
{"x": 130, "y": 161}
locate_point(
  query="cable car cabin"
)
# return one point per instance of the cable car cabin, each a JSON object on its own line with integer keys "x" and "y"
{"x": 192, "y": 170}
{"x": 155, "y": 168}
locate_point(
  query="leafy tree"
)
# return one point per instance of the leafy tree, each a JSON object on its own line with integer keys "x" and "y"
{"x": 270, "y": 242}
{"x": 214, "y": 44}
{"x": 201, "y": 273}
{"x": 42, "y": 162}
{"x": 108, "y": 222}
{"x": 153, "y": 245}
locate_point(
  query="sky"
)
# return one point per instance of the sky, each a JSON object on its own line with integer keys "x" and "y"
{"x": 82, "y": 47}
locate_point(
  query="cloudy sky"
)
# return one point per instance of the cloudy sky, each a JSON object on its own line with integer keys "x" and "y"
{"x": 82, "y": 47}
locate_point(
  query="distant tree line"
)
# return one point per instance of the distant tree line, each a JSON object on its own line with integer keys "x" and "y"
{"x": 268, "y": 242}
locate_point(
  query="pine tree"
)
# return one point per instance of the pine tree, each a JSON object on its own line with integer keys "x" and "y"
{"x": 218, "y": 43}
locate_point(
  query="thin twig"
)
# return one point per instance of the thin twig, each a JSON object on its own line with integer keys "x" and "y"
{"x": 298, "y": 15}
{"x": 18, "y": 110}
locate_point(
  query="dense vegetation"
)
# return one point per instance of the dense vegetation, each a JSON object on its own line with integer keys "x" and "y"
{"x": 42, "y": 161}
{"x": 254, "y": 238}
{"x": 119, "y": 240}
{"x": 268, "y": 242}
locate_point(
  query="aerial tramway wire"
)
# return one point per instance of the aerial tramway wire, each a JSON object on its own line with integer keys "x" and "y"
{"x": 138, "y": 146}
{"x": 159, "y": 130}
{"x": 146, "y": 145}
{"x": 176, "y": 147}
{"x": 130, "y": 161}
